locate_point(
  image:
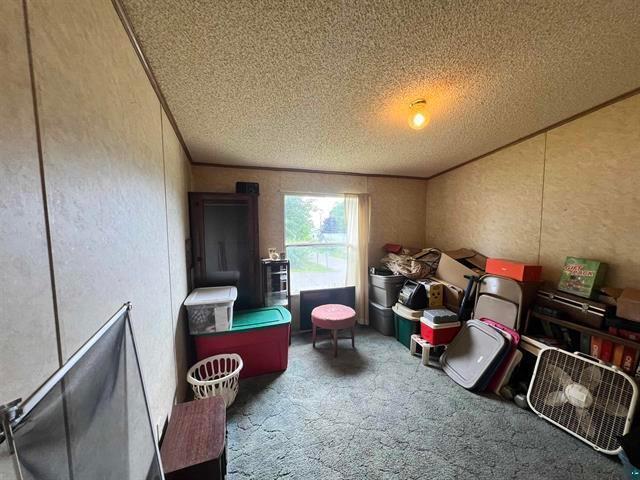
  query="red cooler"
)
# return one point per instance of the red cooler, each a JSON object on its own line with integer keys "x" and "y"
{"x": 438, "y": 334}
{"x": 260, "y": 337}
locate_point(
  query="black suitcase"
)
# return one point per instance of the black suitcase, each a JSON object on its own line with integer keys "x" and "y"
{"x": 571, "y": 307}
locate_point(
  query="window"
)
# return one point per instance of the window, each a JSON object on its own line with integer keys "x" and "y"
{"x": 316, "y": 241}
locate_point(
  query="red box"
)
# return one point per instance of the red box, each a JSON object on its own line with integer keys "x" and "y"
{"x": 260, "y": 337}
{"x": 516, "y": 270}
{"x": 438, "y": 334}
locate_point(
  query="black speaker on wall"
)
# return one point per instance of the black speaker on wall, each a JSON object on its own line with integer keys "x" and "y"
{"x": 248, "y": 187}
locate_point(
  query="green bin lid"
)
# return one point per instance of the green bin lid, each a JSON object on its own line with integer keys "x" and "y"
{"x": 260, "y": 318}
{"x": 246, "y": 320}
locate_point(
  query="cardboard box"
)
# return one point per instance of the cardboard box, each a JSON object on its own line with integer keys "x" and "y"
{"x": 453, "y": 272}
{"x": 469, "y": 258}
{"x": 511, "y": 269}
{"x": 451, "y": 295}
{"x": 435, "y": 292}
{"x": 629, "y": 304}
{"x": 582, "y": 276}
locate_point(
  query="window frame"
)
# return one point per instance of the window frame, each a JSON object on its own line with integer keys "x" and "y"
{"x": 344, "y": 244}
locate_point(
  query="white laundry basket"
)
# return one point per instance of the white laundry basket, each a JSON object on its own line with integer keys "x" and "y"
{"x": 216, "y": 376}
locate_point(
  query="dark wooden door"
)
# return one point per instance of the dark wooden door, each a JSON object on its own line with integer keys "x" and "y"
{"x": 224, "y": 233}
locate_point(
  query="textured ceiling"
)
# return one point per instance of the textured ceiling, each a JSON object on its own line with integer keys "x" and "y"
{"x": 326, "y": 85}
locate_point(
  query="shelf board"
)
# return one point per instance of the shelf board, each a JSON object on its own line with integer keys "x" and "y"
{"x": 281, "y": 302}
{"x": 585, "y": 329}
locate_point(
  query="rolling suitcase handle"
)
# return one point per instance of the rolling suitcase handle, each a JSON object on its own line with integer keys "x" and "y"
{"x": 466, "y": 307}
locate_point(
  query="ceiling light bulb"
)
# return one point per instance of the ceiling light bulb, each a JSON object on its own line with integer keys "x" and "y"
{"x": 418, "y": 116}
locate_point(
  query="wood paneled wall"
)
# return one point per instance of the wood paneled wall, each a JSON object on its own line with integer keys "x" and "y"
{"x": 99, "y": 217}
{"x": 570, "y": 191}
{"x": 397, "y": 204}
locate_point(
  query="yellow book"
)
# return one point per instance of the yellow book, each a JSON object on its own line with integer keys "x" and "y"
{"x": 618, "y": 353}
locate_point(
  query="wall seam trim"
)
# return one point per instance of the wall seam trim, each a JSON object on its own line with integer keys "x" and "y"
{"x": 166, "y": 222}
{"x": 45, "y": 205}
{"x": 47, "y": 228}
{"x": 544, "y": 170}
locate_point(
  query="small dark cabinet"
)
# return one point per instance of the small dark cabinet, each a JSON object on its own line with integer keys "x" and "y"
{"x": 224, "y": 233}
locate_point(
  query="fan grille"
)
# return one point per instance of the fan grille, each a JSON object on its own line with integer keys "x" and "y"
{"x": 614, "y": 392}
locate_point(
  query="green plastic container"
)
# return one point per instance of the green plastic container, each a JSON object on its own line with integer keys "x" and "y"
{"x": 260, "y": 337}
{"x": 405, "y": 327}
{"x": 265, "y": 317}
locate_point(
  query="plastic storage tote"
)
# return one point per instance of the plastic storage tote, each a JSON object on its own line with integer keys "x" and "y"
{"x": 406, "y": 312}
{"x": 405, "y": 327}
{"x": 473, "y": 356}
{"x": 381, "y": 318}
{"x": 438, "y": 333}
{"x": 384, "y": 289}
{"x": 260, "y": 337}
{"x": 210, "y": 309}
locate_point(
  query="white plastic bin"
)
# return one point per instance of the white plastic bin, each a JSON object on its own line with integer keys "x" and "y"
{"x": 210, "y": 309}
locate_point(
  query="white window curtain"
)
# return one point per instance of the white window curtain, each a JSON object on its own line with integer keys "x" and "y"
{"x": 357, "y": 219}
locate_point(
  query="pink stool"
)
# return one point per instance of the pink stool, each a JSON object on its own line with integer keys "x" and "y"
{"x": 334, "y": 317}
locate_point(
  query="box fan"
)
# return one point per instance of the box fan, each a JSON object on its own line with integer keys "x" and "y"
{"x": 593, "y": 401}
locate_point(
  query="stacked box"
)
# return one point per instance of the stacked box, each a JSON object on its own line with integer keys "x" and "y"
{"x": 582, "y": 277}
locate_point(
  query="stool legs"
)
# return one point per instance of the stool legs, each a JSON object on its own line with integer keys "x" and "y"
{"x": 426, "y": 350}
{"x": 314, "y": 336}
{"x": 333, "y": 335}
{"x": 416, "y": 342}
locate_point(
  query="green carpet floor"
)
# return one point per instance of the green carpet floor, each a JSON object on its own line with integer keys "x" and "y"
{"x": 377, "y": 413}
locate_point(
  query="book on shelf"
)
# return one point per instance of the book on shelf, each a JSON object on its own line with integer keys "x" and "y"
{"x": 622, "y": 356}
{"x": 624, "y": 333}
{"x": 628, "y": 325}
{"x": 606, "y": 351}
{"x": 630, "y": 358}
{"x": 618, "y": 352}
{"x": 596, "y": 347}
{"x": 585, "y": 343}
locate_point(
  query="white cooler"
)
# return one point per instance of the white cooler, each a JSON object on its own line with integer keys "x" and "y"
{"x": 210, "y": 309}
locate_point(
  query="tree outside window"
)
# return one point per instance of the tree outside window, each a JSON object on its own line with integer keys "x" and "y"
{"x": 315, "y": 240}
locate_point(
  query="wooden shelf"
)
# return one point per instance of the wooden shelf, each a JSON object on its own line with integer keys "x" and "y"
{"x": 588, "y": 330}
